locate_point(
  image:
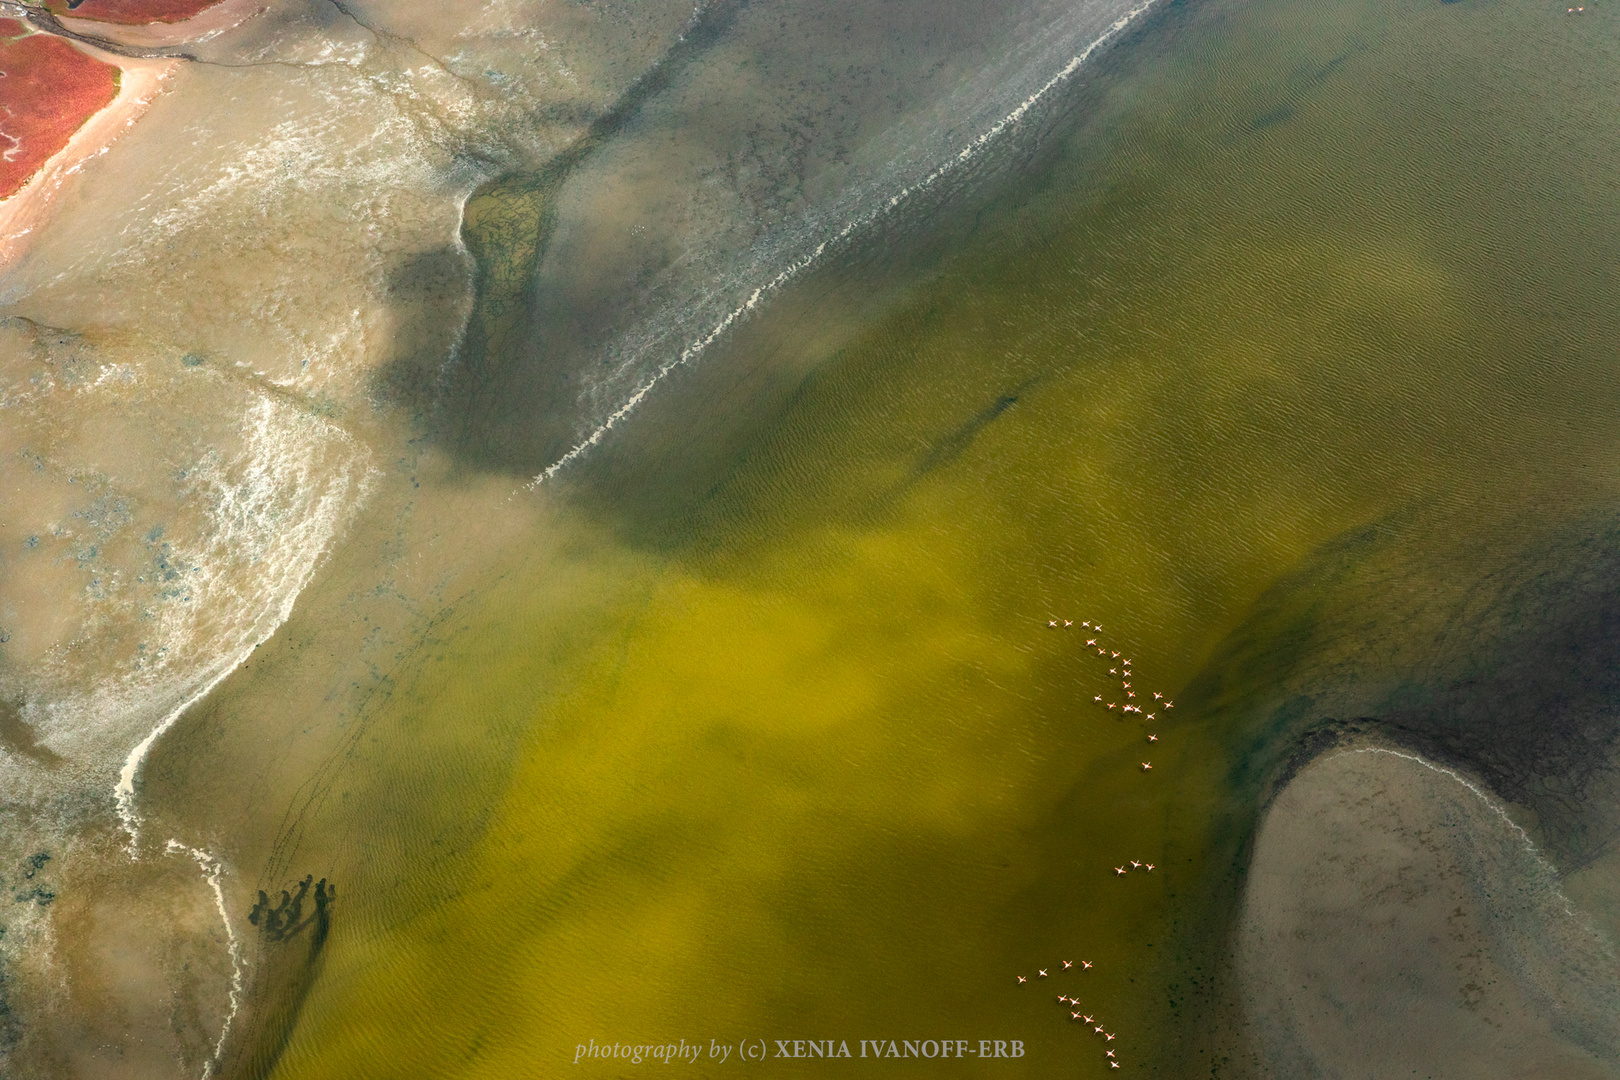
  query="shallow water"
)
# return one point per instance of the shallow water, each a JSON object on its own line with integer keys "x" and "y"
{"x": 1268, "y": 342}
{"x": 831, "y": 776}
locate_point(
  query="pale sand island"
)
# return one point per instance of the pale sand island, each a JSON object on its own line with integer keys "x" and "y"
{"x": 1398, "y": 923}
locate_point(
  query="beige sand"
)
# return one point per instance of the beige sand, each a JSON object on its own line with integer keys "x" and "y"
{"x": 1396, "y": 923}
{"x": 26, "y": 210}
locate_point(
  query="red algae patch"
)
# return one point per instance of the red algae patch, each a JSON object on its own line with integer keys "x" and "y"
{"x": 48, "y": 89}
{"x": 132, "y": 12}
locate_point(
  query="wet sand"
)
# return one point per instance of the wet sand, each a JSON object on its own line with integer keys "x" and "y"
{"x": 1398, "y": 923}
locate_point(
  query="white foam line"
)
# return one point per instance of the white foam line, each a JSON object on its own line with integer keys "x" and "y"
{"x": 1496, "y": 808}
{"x": 212, "y": 869}
{"x": 695, "y": 349}
{"x": 124, "y": 793}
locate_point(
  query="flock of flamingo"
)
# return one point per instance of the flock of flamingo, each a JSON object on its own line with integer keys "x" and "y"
{"x": 1122, "y": 671}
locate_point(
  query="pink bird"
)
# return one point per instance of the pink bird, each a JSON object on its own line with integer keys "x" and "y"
{"x": 1067, "y": 964}
{"x": 1149, "y": 867}
{"x": 1085, "y": 963}
{"x": 1157, "y": 696}
{"x": 1147, "y": 766}
{"x": 1022, "y": 979}
{"x": 1052, "y": 623}
{"x": 1108, "y": 1035}
{"x": 1087, "y": 1019}
{"x": 1152, "y": 738}
{"x": 1098, "y": 1029}
{"x": 1075, "y": 1015}
{"x": 1113, "y": 1064}
{"x": 1110, "y": 1053}
{"x": 1043, "y": 973}
{"x": 1091, "y": 641}
{"x": 1120, "y": 870}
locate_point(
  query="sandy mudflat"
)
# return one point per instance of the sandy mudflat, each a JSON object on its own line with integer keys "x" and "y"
{"x": 25, "y": 211}
{"x": 1397, "y": 925}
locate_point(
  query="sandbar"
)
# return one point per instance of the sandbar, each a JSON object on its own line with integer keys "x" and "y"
{"x": 1397, "y": 922}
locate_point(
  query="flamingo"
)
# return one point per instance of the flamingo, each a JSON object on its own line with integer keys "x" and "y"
{"x": 1111, "y": 705}
{"x": 1112, "y": 671}
{"x": 1113, "y": 1064}
{"x": 1120, "y": 870}
{"x": 1085, "y": 624}
{"x": 1043, "y": 973}
{"x": 1109, "y": 1035}
{"x": 1110, "y": 1053}
{"x": 1151, "y": 715}
{"x": 1098, "y": 1029}
{"x": 1067, "y": 964}
{"x": 1091, "y": 641}
{"x": 1149, "y": 867}
{"x": 1075, "y": 1015}
{"x": 1152, "y": 738}
{"x": 1067, "y": 623}
{"x": 1097, "y": 698}
{"x": 1116, "y": 655}
{"x": 1063, "y": 997}
{"x": 1085, "y": 964}
{"x": 1021, "y": 979}
{"x": 1169, "y": 704}
{"x": 1087, "y": 1019}
{"x": 1147, "y": 766}
{"x": 1052, "y": 623}
{"x": 1135, "y": 865}
{"x": 1157, "y": 696}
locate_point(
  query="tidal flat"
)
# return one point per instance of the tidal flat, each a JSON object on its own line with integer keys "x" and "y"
{"x": 1273, "y": 350}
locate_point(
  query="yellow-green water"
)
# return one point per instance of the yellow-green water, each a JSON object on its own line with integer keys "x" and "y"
{"x": 796, "y": 755}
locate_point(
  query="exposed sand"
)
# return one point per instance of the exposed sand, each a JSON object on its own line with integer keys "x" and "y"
{"x": 1396, "y": 923}
{"x": 25, "y": 211}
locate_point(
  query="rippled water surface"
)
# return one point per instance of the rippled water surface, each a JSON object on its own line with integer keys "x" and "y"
{"x": 1279, "y": 341}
